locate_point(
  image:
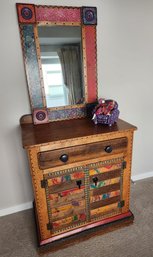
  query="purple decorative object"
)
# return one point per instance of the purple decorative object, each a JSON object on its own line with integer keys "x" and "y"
{"x": 106, "y": 112}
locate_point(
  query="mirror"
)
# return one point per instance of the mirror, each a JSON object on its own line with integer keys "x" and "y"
{"x": 60, "y": 58}
{"x": 61, "y": 61}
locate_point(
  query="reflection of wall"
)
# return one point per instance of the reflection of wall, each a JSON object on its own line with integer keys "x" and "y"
{"x": 59, "y": 35}
{"x": 125, "y": 50}
{"x": 49, "y": 48}
{"x": 125, "y": 64}
{"x": 59, "y": 31}
{"x": 45, "y": 49}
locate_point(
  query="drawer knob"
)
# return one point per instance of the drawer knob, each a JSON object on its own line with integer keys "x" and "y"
{"x": 95, "y": 180}
{"x": 108, "y": 149}
{"x": 79, "y": 182}
{"x": 64, "y": 158}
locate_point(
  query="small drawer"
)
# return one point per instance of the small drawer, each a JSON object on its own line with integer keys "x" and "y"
{"x": 50, "y": 159}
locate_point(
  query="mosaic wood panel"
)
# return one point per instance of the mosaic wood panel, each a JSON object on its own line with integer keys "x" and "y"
{"x": 31, "y": 65}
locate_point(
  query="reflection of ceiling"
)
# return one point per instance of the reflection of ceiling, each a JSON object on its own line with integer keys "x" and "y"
{"x": 58, "y": 35}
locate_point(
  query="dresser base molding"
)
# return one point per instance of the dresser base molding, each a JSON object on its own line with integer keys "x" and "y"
{"x": 102, "y": 226}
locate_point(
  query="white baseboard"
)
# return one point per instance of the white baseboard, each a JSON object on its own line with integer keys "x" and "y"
{"x": 26, "y": 206}
{"x": 14, "y": 209}
{"x": 142, "y": 176}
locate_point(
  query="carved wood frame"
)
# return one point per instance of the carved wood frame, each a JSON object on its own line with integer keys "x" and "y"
{"x": 29, "y": 17}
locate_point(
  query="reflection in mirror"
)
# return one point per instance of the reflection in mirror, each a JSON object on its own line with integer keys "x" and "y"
{"x": 61, "y": 59}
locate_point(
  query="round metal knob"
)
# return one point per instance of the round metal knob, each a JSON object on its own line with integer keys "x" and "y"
{"x": 64, "y": 158}
{"x": 108, "y": 149}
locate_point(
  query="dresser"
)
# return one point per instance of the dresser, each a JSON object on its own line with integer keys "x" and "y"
{"x": 80, "y": 173}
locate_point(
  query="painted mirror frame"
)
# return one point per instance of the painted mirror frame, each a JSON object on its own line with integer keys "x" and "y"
{"x": 29, "y": 17}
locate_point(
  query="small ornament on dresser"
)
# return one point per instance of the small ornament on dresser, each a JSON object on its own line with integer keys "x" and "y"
{"x": 40, "y": 116}
{"x": 106, "y": 112}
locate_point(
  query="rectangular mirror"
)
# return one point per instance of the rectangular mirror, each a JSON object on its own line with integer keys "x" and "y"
{"x": 60, "y": 57}
{"x": 61, "y": 61}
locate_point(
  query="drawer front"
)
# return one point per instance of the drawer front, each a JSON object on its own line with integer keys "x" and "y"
{"x": 49, "y": 159}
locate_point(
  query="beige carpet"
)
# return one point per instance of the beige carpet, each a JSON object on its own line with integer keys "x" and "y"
{"x": 18, "y": 237}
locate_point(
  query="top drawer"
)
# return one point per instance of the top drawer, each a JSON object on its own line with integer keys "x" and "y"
{"x": 50, "y": 159}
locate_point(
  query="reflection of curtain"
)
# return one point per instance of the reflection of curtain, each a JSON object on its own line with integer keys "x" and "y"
{"x": 70, "y": 62}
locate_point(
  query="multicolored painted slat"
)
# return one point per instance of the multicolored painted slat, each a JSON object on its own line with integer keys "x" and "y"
{"x": 69, "y": 220}
{"x": 105, "y": 183}
{"x": 65, "y": 178}
{"x": 104, "y": 209}
{"x": 66, "y": 196}
{"x": 105, "y": 196}
{"x": 72, "y": 206}
{"x": 70, "y": 212}
{"x": 106, "y": 168}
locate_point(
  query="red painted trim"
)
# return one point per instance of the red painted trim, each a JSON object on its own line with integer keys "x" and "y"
{"x": 78, "y": 230}
{"x": 58, "y": 13}
{"x": 91, "y": 59}
{"x": 73, "y": 14}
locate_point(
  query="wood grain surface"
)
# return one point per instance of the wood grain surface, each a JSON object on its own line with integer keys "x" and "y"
{"x": 68, "y": 130}
{"x": 51, "y": 158}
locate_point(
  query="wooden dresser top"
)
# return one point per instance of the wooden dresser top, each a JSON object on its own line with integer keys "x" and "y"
{"x": 33, "y": 135}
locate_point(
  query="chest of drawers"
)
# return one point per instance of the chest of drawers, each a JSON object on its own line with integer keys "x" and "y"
{"x": 80, "y": 174}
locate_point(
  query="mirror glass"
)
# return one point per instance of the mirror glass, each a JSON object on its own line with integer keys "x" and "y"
{"x": 61, "y": 60}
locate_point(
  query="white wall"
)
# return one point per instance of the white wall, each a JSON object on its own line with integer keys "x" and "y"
{"x": 125, "y": 73}
{"x": 125, "y": 55}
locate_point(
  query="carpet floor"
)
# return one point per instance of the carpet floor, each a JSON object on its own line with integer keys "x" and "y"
{"x": 18, "y": 236}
